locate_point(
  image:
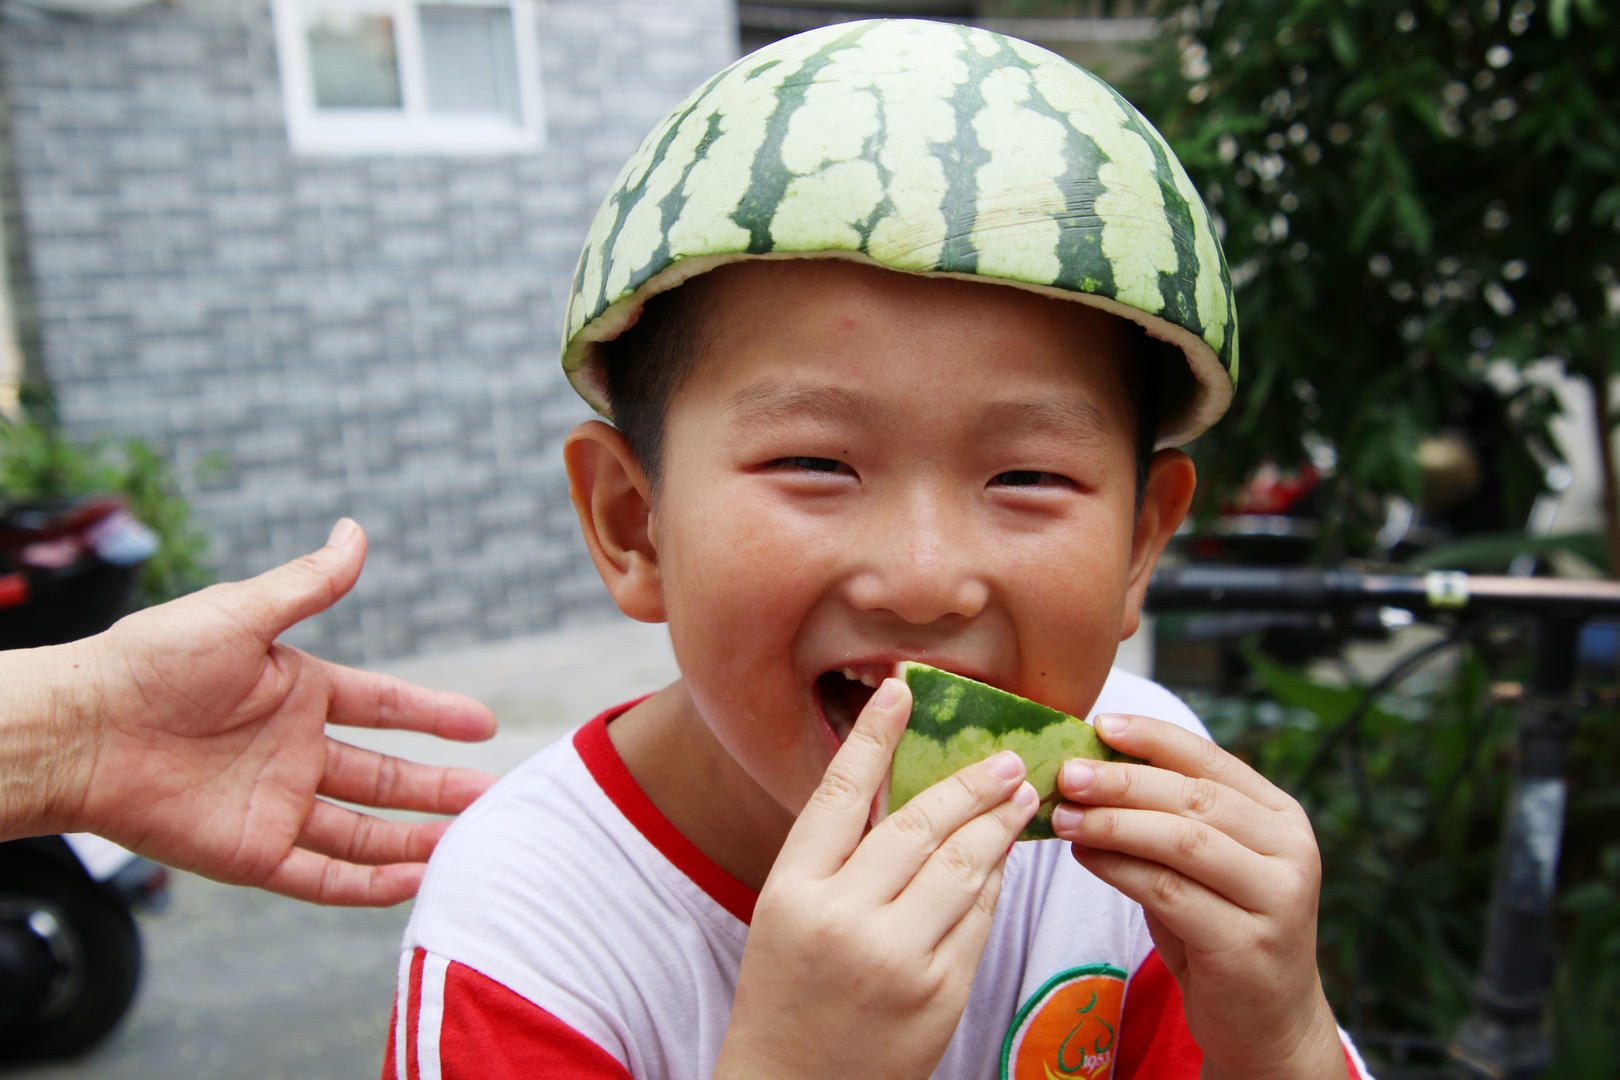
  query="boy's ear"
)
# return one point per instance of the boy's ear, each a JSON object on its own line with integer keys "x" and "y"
{"x": 1169, "y": 492}
{"x": 614, "y": 503}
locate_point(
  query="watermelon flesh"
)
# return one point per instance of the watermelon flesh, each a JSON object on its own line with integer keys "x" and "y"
{"x": 956, "y": 721}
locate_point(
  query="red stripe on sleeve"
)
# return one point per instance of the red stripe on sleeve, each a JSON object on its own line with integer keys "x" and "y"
{"x": 388, "y": 1051}
{"x": 1153, "y": 1038}
{"x": 413, "y": 1009}
{"x": 492, "y": 1033}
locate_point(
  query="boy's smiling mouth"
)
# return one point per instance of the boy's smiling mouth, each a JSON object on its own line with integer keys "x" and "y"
{"x": 843, "y": 692}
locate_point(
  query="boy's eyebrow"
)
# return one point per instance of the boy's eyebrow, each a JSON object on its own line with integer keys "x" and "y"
{"x": 769, "y": 401}
{"x": 1079, "y": 421}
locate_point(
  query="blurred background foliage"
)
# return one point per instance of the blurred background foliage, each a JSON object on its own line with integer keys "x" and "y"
{"x": 1419, "y": 199}
{"x": 1420, "y": 202}
{"x": 37, "y": 464}
{"x": 1406, "y": 792}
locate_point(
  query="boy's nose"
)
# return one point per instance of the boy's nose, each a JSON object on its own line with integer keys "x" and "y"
{"x": 920, "y": 564}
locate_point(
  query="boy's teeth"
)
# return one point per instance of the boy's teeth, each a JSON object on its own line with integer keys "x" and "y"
{"x": 867, "y": 677}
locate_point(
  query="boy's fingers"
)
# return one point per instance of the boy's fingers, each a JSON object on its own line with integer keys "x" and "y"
{"x": 1183, "y": 848}
{"x": 1185, "y": 908}
{"x": 1171, "y": 948}
{"x": 1195, "y": 798}
{"x": 1167, "y": 746}
{"x": 920, "y": 831}
{"x": 950, "y": 884}
{"x": 963, "y": 945}
{"x": 831, "y": 823}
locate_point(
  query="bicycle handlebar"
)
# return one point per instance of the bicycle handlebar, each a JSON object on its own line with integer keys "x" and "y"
{"x": 1440, "y": 592}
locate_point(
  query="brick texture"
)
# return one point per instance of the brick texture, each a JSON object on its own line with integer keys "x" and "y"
{"x": 309, "y": 337}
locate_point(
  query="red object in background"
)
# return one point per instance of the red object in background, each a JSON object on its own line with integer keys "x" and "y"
{"x": 1273, "y": 491}
{"x": 13, "y": 590}
{"x": 64, "y": 521}
{"x": 67, "y": 568}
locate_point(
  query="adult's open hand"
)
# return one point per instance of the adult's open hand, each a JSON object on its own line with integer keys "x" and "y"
{"x": 188, "y": 733}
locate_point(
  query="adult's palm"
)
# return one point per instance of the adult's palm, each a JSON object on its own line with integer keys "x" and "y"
{"x": 209, "y": 749}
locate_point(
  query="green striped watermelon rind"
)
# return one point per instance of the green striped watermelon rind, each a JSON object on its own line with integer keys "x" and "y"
{"x": 956, "y": 721}
{"x": 1008, "y": 164}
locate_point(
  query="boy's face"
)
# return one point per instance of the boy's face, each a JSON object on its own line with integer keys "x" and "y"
{"x": 865, "y": 467}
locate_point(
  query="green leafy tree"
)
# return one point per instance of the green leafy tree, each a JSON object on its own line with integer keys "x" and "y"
{"x": 1411, "y": 190}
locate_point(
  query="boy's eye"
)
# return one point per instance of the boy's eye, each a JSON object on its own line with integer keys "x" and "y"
{"x": 1029, "y": 478}
{"x": 810, "y": 464}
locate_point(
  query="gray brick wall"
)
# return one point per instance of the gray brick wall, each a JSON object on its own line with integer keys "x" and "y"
{"x": 310, "y": 337}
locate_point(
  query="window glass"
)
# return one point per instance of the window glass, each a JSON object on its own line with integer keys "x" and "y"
{"x": 469, "y": 59}
{"x": 353, "y": 61}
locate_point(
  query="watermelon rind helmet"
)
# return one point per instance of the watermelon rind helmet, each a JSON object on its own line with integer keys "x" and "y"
{"x": 928, "y": 148}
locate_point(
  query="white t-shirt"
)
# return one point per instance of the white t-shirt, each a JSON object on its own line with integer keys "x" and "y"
{"x": 566, "y": 928}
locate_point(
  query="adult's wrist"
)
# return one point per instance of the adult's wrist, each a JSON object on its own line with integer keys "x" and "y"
{"x": 48, "y": 731}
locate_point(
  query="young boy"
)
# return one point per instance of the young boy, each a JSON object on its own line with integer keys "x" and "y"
{"x": 868, "y": 311}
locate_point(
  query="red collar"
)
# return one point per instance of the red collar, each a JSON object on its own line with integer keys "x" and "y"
{"x": 596, "y": 750}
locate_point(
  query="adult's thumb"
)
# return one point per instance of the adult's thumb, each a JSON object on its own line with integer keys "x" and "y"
{"x": 307, "y": 585}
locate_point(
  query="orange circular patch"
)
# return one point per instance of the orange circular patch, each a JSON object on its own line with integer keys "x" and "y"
{"x": 1068, "y": 1028}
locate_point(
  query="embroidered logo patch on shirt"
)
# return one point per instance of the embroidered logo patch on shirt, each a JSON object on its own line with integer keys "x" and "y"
{"x": 1067, "y": 1029}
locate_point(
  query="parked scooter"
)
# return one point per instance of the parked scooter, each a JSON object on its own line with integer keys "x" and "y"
{"x": 70, "y": 950}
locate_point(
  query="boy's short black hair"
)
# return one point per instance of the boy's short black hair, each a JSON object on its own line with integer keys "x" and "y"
{"x": 647, "y": 363}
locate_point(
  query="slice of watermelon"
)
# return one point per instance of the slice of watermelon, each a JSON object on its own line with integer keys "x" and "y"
{"x": 956, "y": 721}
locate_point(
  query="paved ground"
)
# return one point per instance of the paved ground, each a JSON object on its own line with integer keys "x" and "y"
{"x": 241, "y": 985}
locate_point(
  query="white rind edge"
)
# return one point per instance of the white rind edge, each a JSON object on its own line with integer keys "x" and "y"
{"x": 582, "y": 359}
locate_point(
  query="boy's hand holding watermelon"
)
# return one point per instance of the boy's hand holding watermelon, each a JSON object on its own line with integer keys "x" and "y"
{"x": 1225, "y": 865}
{"x": 881, "y": 933}
{"x": 864, "y": 944}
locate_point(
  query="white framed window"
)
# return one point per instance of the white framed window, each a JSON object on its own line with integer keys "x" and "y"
{"x": 409, "y": 76}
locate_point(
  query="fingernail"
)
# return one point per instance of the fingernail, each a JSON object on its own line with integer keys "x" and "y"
{"x": 1065, "y": 817}
{"x": 1025, "y": 798}
{"x": 342, "y": 532}
{"x": 1077, "y": 776}
{"x": 1007, "y": 765}
{"x": 1113, "y": 725}
{"x": 888, "y": 694}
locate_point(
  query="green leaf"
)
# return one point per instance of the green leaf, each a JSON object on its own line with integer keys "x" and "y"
{"x": 1558, "y": 17}
{"x": 1414, "y": 220}
{"x": 1606, "y": 205}
{"x": 1342, "y": 40}
{"x": 1368, "y": 218}
{"x": 1330, "y": 703}
{"x": 1597, "y": 158}
{"x": 1425, "y": 109}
